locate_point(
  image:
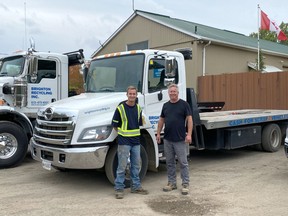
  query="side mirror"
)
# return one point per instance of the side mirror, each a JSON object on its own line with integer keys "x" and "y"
{"x": 170, "y": 67}
{"x": 33, "y": 69}
{"x": 85, "y": 72}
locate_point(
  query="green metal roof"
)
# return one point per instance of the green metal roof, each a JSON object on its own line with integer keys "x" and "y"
{"x": 204, "y": 32}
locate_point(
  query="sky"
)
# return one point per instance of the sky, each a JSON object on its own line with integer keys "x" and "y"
{"x": 68, "y": 25}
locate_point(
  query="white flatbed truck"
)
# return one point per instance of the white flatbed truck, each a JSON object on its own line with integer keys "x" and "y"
{"x": 76, "y": 133}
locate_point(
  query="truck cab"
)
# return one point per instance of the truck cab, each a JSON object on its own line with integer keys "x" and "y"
{"x": 29, "y": 80}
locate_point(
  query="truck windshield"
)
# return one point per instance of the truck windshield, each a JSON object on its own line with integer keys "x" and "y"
{"x": 12, "y": 66}
{"x": 115, "y": 74}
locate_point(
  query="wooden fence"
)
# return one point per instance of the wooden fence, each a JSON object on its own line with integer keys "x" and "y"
{"x": 252, "y": 90}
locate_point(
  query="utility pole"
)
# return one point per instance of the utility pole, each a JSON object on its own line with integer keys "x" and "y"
{"x": 25, "y": 36}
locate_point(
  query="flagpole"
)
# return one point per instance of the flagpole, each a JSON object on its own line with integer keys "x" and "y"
{"x": 258, "y": 54}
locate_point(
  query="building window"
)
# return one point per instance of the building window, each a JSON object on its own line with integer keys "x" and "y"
{"x": 138, "y": 46}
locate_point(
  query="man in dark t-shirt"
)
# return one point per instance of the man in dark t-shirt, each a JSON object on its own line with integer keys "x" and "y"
{"x": 176, "y": 115}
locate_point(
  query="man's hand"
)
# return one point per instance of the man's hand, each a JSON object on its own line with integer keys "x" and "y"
{"x": 188, "y": 139}
{"x": 158, "y": 138}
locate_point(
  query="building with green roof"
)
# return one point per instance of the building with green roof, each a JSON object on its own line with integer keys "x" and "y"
{"x": 210, "y": 51}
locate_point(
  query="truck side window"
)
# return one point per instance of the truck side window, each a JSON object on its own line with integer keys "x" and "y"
{"x": 75, "y": 80}
{"x": 46, "y": 69}
{"x": 156, "y": 75}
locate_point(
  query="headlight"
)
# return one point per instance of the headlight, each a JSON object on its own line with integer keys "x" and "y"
{"x": 95, "y": 134}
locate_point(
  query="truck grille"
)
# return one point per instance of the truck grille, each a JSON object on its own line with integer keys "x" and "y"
{"x": 56, "y": 131}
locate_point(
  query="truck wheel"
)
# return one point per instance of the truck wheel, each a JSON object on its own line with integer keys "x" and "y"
{"x": 271, "y": 138}
{"x": 112, "y": 163}
{"x": 13, "y": 144}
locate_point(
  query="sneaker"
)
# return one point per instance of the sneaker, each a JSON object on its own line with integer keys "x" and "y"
{"x": 169, "y": 187}
{"x": 139, "y": 191}
{"x": 119, "y": 194}
{"x": 185, "y": 189}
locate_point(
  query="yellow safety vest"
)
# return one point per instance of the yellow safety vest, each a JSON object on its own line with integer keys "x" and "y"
{"x": 123, "y": 130}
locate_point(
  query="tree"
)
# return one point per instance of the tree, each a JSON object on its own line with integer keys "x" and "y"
{"x": 271, "y": 36}
{"x": 261, "y": 62}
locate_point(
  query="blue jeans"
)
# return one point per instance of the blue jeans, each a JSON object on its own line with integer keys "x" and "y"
{"x": 179, "y": 149}
{"x": 124, "y": 152}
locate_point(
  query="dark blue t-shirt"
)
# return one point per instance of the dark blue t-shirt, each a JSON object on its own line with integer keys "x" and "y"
{"x": 174, "y": 115}
{"x": 133, "y": 123}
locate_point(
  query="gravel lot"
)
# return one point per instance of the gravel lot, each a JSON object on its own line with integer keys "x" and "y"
{"x": 239, "y": 182}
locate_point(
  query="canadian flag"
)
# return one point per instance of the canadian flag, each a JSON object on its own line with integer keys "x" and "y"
{"x": 267, "y": 24}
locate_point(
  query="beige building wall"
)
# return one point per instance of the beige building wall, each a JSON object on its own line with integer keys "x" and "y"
{"x": 158, "y": 37}
{"x": 222, "y": 59}
{"x": 219, "y": 58}
{"x": 141, "y": 29}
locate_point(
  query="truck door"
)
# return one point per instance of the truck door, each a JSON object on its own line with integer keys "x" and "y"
{"x": 156, "y": 93}
{"x": 42, "y": 89}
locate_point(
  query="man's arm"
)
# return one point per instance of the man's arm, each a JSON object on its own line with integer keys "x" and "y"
{"x": 189, "y": 122}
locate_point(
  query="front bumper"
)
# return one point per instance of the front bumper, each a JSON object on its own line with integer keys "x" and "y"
{"x": 72, "y": 158}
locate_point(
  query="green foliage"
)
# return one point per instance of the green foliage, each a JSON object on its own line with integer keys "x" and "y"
{"x": 261, "y": 62}
{"x": 271, "y": 36}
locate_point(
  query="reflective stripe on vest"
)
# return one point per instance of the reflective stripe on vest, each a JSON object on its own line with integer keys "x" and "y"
{"x": 123, "y": 131}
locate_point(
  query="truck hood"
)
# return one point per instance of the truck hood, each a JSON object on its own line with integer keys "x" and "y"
{"x": 6, "y": 79}
{"x": 88, "y": 110}
{"x": 90, "y": 102}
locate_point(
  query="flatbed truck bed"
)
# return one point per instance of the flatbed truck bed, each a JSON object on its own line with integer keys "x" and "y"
{"x": 262, "y": 128}
{"x": 234, "y": 118}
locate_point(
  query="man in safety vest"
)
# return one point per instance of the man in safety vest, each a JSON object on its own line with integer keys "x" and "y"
{"x": 126, "y": 121}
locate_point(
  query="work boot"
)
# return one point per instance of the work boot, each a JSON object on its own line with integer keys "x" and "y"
{"x": 169, "y": 187}
{"x": 185, "y": 189}
{"x": 139, "y": 191}
{"x": 119, "y": 194}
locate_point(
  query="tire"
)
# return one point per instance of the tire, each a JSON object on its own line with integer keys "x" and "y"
{"x": 112, "y": 163}
{"x": 271, "y": 138}
{"x": 13, "y": 144}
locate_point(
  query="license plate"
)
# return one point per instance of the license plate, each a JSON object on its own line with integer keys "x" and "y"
{"x": 46, "y": 164}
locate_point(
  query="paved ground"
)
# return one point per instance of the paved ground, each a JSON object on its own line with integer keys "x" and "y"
{"x": 241, "y": 182}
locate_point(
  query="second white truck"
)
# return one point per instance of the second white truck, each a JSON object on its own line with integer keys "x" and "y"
{"x": 28, "y": 80}
{"x": 76, "y": 133}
